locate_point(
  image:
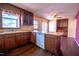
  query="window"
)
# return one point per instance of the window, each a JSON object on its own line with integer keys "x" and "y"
{"x": 35, "y": 25}
{"x": 52, "y": 26}
{"x": 44, "y": 27}
{"x": 10, "y": 20}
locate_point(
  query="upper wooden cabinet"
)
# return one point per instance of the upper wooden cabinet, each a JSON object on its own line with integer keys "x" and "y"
{"x": 62, "y": 26}
{"x": 27, "y": 18}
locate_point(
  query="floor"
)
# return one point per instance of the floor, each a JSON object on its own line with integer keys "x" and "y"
{"x": 28, "y": 50}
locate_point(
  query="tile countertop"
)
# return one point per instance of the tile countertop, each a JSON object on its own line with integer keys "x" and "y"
{"x": 52, "y": 33}
{"x": 56, "y": 33}
{"x": 12, "y": 32}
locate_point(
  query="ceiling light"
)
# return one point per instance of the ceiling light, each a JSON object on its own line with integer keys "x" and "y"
{"x": 50, "y": 17}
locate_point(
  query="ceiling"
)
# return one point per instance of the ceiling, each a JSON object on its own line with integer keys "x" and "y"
{"x": 48, "y": 10}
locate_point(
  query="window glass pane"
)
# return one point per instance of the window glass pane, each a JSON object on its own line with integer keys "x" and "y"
{"x": 44, "y": 27}
{"x": 9, "y": 16}
{"x": 10, "y": 21}
{"x": 35, "y": 24}
{"x": 52, "y": 26}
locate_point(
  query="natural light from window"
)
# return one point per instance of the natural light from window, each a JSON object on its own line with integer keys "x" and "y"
{"x": 52, "y": 26}
{"x": 10, "y": 21}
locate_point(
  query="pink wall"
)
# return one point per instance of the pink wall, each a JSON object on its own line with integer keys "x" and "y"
{"x": 77, "y": 27}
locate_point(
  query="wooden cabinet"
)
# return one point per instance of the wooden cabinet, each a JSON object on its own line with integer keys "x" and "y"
{"x": 13, "y": 40}
{"x": 62, "y": 26}
{"x": 19, "y": 39}
{"x": 27, "y": 18}
{"x": 22, "y": 38}
{"x": 30, "y": 21}
{"x": 26, "y": 37}
{"x": 52, "y": 43}
{"x": 1, "y": 43}
{"x": 33, "y": 37}
{"x": 9, "y": 41}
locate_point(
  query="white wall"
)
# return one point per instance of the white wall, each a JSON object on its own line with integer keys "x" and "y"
{"x": 71, "y": 27}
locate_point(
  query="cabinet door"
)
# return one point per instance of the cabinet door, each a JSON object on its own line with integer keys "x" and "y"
{"x": 33, "y": 37}
{"x": 51, "y": 44}
{"x": 9, "y": 42}
{"x": 1, "y": 44}
{"x": 28, "y": 37}
{"x": 30, "y": 19}
{"x": 25, "y": 19}
{"x": 19, "y": 39}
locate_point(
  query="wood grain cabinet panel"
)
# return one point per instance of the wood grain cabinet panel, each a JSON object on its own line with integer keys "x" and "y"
{"x": 62, "y": 26}
{"x": 33, "y": 37}
{"x": 52, "y": 44}
{"x": 9, "y": 40}
{"x": 19, "y": 39}
{"x": 22, "y": 38}
{"x": 1, "y": 43}
{"x": 13, "y": 40}
{"x": 27, "y": 18}
{"x": 26, "y": 37}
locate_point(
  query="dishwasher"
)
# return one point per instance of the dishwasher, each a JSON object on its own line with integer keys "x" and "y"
{"x": 40, "y": 40}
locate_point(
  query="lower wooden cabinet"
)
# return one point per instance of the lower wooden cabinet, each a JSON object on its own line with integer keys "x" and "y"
{"x": 52, "y": 43}
{"x": 33, "y": 37}
{"x": 19, "y": 39}
{"x": 1, "y": 43}
{"x": 13, "y": 40}
{"x": 9, "y": 41}
{"x": 27, "y": 37}
{"x": 22, "y": 38}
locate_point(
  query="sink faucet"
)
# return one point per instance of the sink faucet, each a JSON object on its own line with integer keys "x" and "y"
{"x": 12, "y": 29}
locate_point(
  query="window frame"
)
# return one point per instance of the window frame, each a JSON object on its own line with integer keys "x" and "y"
{"x": 19, "y": 20}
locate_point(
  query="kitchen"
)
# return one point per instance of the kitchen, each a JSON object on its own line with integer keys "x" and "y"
{"x": 26, "y": 29}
